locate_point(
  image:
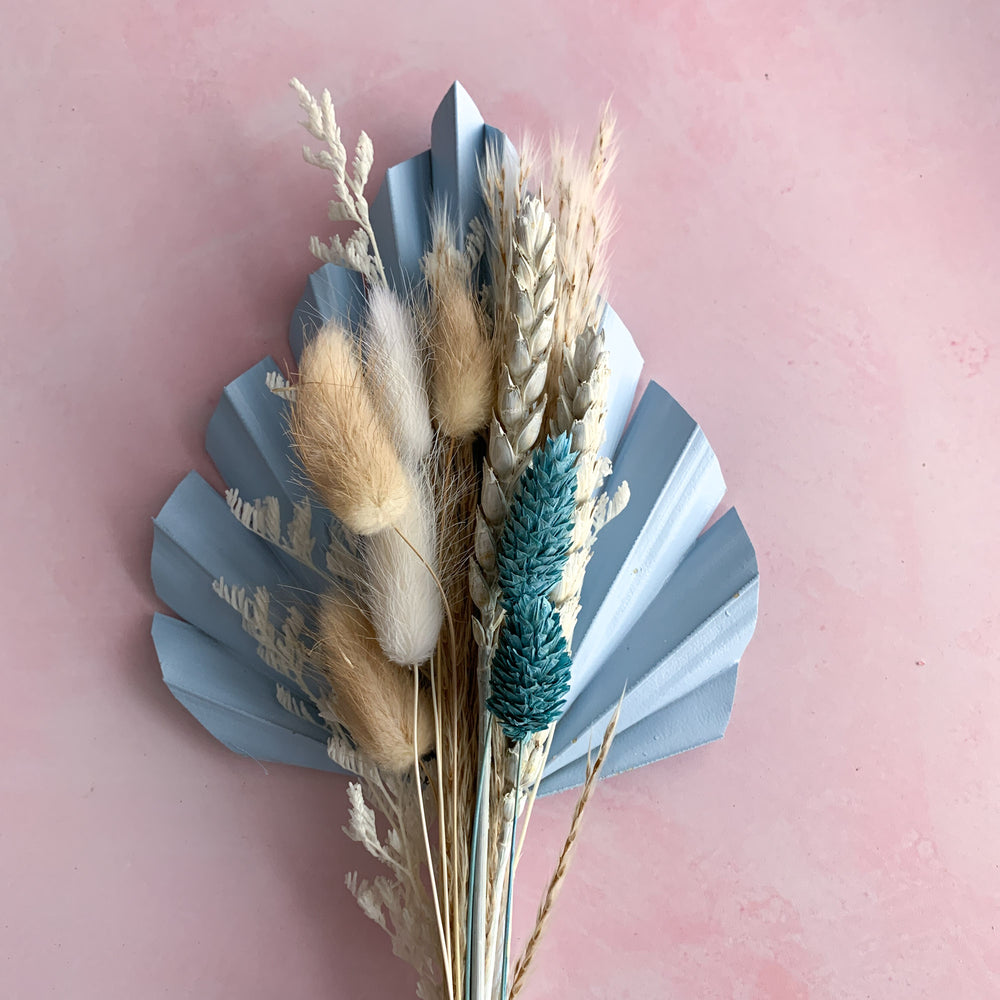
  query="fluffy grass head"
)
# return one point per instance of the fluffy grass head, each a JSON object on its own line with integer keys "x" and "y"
{"x": 341, "y": 438}
{"x": 371, "y": 696}
{"x": 401, "y": 592}
{"x": 462, "y": 359}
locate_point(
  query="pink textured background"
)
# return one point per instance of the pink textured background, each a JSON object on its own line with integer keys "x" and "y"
{"x": 807, "y": 255}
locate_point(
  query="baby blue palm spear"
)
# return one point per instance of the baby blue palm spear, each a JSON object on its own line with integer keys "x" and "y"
{"x": 531, "y": 665}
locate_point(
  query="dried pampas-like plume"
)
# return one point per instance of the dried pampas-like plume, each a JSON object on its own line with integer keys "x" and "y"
{"x": 401, "y": 591}
{"x": 584, "y": 217}
{"x": 395, "y": 371}
{"x": 341, "y": 440}
{"x": 462, "y": 363}
{"x": 371, "y": 697}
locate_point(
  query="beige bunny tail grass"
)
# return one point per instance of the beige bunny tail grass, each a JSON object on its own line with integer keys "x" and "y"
{"x": 565, "y": 856}
{"x": 394, "y": 370}
{"x": 401, "y": 590}
{"x": 462, "y": 359}
{"x": 341, "y": 440}
{"x": 371, "y": 697}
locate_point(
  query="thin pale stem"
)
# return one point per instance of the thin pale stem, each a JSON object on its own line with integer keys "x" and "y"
{"x": 510, "y": 882}
{"x": 442, "y": 829}
{"x": 445, "y": 955}
{"x": 475, "y": 878}
{"x": 532, "y": 795}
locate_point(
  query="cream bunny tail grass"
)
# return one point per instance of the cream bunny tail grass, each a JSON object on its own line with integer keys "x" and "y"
{"x": 462, "y": 359}
{"x": 395, "y": 371}
{"x": 401, "y": 589}
{"x": 341, "y": 440}
{"x": 372, "y": 697}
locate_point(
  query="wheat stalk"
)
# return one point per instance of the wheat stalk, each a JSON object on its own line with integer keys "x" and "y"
{"x": 581, "y": 412}
{"x": 521, "y": 239}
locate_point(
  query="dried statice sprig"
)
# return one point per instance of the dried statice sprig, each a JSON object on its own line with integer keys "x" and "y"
{"x": 360, "y": 252}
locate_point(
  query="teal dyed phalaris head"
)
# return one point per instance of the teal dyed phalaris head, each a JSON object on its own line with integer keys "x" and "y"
{"x": 531, "y": 669}
{"x": 534, "y": 544}
{"x": 531, "y": 665}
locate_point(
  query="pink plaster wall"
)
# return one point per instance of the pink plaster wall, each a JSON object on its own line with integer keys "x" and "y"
{"x": 808, "y": 256}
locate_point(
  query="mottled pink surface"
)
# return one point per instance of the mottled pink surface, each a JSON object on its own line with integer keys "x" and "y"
{"x": 807, "y": 254}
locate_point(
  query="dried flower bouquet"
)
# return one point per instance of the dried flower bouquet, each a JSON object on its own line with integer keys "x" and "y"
{"x": 449, "y": 448}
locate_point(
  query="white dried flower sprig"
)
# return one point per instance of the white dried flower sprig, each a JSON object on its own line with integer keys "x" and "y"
{"x": 360, "y": 252}
{"x": 284, "y": 649}
{"x": 399, "y": 903}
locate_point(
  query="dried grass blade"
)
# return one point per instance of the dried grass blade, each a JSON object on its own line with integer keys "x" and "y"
{"x": 565, "y": 856}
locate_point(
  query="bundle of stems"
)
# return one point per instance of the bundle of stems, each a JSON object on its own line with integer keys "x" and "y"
{"x": 454, "y": 436}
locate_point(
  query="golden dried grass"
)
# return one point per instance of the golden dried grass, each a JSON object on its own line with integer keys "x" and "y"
{"x": 372, "y": 696}
{"x": 341, "y": 440}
